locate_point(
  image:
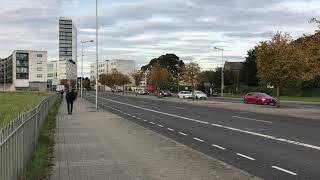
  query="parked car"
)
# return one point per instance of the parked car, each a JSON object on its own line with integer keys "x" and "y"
{"x": 143, "y": 92}
{"x": 185, "y": 94}
{"x": 200, "y": 95}
{"x": 259, "y": 98}
{"x": 166, "y": 93}
{"x": 214, "y": 93}
{"x": 116, "y": 90}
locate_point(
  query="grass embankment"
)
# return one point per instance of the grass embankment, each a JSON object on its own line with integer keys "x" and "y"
{"x": 41, "y": 163}
{"x": 286, "y": 98}
{"x": 12, "y": 104}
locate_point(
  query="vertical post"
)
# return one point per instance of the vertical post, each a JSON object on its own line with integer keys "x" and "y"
{"x": 178, "y": 76}
{"x": 4, "y": 76}
{"x": 222, "y": 75}
{"x": 97, "y": 78}
{"x": 81, "y": 69}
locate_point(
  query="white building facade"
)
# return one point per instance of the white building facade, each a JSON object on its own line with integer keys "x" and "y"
{"x": 26, "y": 70}
{"x": 61, "y": 69}
{"x": 126, "y": 67}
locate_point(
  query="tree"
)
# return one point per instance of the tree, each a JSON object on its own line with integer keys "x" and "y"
{"x": 168, "y": 61}
{"x": 137, "y": 76}
{"x": 86, "y": 83}
{"x": 249, "y": 69}
{"x": 107, "y": 80}
{"x": 68, "y": 83}
{"x": 191, "y": 75}
{"x": 278, "y": 62}
{"x": 122, "y": 80}
{"x": 160, "y": 77}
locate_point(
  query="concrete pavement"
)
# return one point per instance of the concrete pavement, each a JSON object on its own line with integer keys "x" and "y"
{"x": 97, "y": 145}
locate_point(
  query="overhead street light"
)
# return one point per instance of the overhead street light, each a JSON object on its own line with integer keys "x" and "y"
{"x": 222, "y": 73}
{"x": 82, "y": 42}
{"x": 97, "y": 75}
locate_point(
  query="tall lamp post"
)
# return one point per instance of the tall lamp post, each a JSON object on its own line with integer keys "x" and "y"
{"x": 82, "y": 42}
{"x": 178, "y": 83}
{"x": 222, "y": 74}
{"x": 97, "y": 78}
{"x": 4, "y": 76}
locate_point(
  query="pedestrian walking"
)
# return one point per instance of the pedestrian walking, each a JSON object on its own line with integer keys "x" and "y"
{"x": 70, "y": 97}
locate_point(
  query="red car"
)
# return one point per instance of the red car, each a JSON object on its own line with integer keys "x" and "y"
{"x": 259, "y": 98}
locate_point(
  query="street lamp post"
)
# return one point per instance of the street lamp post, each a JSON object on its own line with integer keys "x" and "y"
{"x": 222, "y": 73}
{"x": 82, "y": 42}
{"x": 178, "y": 67}
{"x": 97, "y": 54}
{"x": 4, "y": 76}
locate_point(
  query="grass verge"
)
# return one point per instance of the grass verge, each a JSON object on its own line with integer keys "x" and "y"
{"x": 14, "y": 103}
{"x": 41, "y": 163}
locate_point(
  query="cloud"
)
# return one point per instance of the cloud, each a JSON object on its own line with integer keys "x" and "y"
{"x": 145, "y": 29}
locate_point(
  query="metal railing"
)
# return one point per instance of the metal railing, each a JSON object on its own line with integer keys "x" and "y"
{"x": 19, "y": 139}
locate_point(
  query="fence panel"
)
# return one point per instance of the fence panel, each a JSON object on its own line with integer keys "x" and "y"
{"x": 19, "y": 139}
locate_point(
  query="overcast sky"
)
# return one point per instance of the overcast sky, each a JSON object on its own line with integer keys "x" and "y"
{"x": 145, "y": 29}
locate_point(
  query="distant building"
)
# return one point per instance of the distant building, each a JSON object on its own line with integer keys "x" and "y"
{"x": 232, "y": 66}
{"x": 67, "y": 40}
{"x": 24, "y": 70}
{"x": 61, "y": 69}
{"x": 123, "y": 66}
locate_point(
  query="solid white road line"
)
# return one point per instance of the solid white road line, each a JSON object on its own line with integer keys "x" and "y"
{"x": 170, "y": 129}
{"x": 151, "y": 122}
{"x": 160, "y": 125}
{"x": 214, "y": 145}
{"x": 197, "y": 139}
{"x": 284, "y": 170}
{"x": 252, "y": 119}
{"x": 183, "y": 134}
{"x": 221, "y": 126}
{"x": 244, "y": 156}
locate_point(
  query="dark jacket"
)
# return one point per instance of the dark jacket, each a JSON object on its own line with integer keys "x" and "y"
{"x": 71, "y": 96}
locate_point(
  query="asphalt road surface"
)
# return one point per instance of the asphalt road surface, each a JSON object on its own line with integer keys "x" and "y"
{"x": 285, "y": 104}
{"x": 270, "y": 147}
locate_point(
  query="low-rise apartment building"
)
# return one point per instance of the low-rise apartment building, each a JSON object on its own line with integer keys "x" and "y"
{"x": 61, "y": 69}
{"x": 24, "y": 70}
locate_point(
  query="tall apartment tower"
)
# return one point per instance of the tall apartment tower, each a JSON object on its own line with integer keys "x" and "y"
{"x": 67, "y": 40}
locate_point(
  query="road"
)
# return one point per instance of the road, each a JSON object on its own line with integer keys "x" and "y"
{"x": 284, "y": 104}
{"x": 270, "y": 147}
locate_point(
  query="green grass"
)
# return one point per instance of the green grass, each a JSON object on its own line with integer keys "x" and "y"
{"x": 12, "y": 104}
{"x": 286, "y": 98}
{"x": 41, "y": 163}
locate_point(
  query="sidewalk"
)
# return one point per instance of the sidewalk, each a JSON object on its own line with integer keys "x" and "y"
{"x": 100, "y": 145}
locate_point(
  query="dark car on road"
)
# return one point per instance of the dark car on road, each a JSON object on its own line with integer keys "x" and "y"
{"x": 143, "y": 92}
{"x": 259, "y": 98}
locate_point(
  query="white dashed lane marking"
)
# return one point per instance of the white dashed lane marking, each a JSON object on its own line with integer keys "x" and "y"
{"x": 151, "y": 122}
{"x": 220, "y": 147}
{"x": 183, "y": 134}
{"x": 160, "y": 125}
{"x": 245, "y": 156}
{"x": 170, "y": 129}
{"x": 284, "y": 170}
{"x": 222, "y": 126}
{"x": 197, "y": 139}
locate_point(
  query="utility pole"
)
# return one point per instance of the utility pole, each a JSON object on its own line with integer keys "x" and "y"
{"x": 82, "y": 42}
{"x": 97, "y": 60}
{"x": 222, "y": 68}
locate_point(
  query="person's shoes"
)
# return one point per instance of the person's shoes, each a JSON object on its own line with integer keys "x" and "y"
{"x": 69, "y": 113}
